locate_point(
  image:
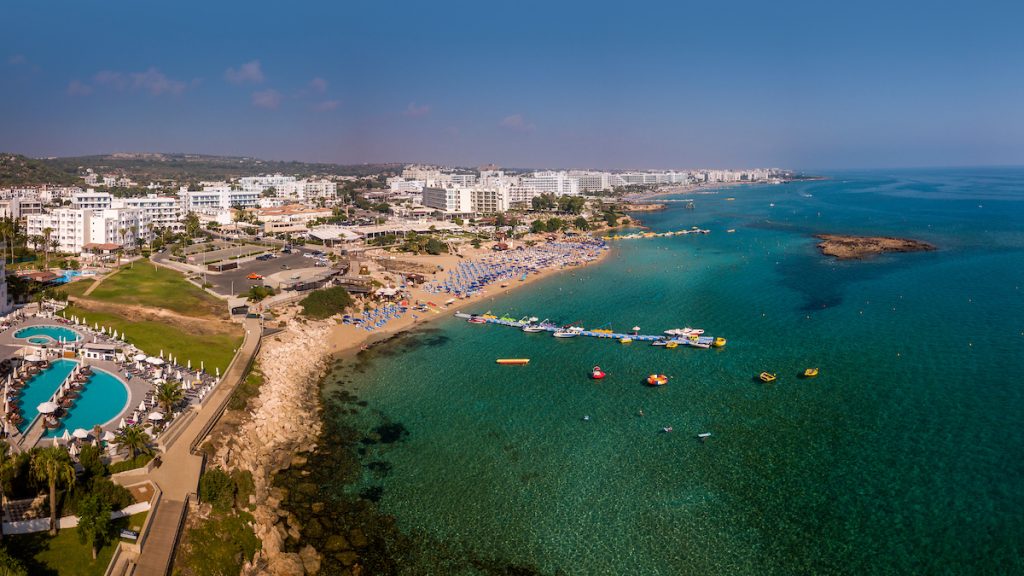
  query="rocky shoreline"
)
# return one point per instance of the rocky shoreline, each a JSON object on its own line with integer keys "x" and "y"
{"x": 844, "y": 247}
{"x": 283, "y": 423}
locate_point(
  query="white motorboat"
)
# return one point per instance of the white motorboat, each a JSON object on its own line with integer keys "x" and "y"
{"x": 570, "y": 332}
{"x": 533, "y": 328}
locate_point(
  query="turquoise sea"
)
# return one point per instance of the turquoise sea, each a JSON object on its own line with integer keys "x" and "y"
{"x": 905, "y": 456}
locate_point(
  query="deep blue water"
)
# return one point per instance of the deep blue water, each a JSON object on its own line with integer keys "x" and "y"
{"x": 906, "y": 455}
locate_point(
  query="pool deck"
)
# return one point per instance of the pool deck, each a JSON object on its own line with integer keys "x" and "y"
{"x": 11, "y": 347}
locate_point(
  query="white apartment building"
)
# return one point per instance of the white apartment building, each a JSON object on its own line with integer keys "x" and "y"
{"x": 305, "y": 190}
{"x": 162, "y": 211}
{"x": 557, "y": 183}
{"x": 258, "y": 184}
{"x": 400, "y": 185}
{"x": 73, "y": 228}
{"x": 592, "y": 181}
{"x": 217, "y": 198}
{"x": 490, "y": 201}
{"x": 449, "y": 199}
{"x": 92, "y": 200}
{"x": 462, "y": 179}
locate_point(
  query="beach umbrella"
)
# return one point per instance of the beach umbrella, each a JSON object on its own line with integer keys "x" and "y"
{"x": 218, "y": 372}
{"x": 120, "y": 424}
{"x": 73, "y": 450}
{"x": 140, "y": 357}
{"x": 142, "y": 406}
{"x": 95, "y": 325}
{"x": 47, "y": 408}
{"x": 108, "y": 436}
{"x": 115, "y": 334}
{"x": 55, "y": 443}
{"x": 80, "y": 433}
{"x": 135, "y": 416}
{"x": 189, "y": 363}
{"x": 155, "y": 416}
{"x": 202, "y": 365}
{"x": 161, "y": 353}
{"x": 65, "y": 436}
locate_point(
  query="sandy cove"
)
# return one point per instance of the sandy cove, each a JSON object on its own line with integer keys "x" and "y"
{"x": 346, "y": 340}
{"x": 283, "y": 420}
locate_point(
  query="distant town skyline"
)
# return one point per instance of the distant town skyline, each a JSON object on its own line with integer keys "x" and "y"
{"x": 793, "y": 85}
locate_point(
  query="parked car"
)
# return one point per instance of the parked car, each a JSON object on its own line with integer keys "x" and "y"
{"x": 254, "y": 276}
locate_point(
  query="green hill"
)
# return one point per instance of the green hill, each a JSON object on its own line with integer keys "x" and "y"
{"x": 18, "y": 170}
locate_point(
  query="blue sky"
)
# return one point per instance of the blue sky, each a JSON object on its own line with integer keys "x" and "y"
{"x": 541, "y": 84}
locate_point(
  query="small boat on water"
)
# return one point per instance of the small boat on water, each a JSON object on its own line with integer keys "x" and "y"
{"x": 625, "y": 340}
{"x": 671, "y": 345}
{"x": 719, "y": 342}
{"x": 731, "y": 230}
{"x": 657, "y": 380}
{"x": 476, "y": 320}
{"x": 568, "y": 332}
{"x": 660, "y": 343}
{"x": 597, "y": 373}
{"x": 533, "y": 328}
{"x": 704, "y": 435}
{"x": 666, "y": 429}
{"x": 810, "y": 373}
{"x": 513, "y": 361}
{"x": 767, "y": 377}
{"x": 685, "y": 331}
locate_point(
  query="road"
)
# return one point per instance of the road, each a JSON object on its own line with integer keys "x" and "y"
{"x": 223, "y": 282}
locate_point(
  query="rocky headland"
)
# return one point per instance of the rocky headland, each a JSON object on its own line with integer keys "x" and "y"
{"x": 283, "y": 422}
{"x": 844, "y": 247}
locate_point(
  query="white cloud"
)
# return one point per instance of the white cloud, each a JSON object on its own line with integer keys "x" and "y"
{"x": 268, "y": 99}
{"x": 415, "y": 111}
{"x": 327, "y": 105}
{"x": 517, "y": 123}
{"x": 251, "y": 71}
{"x": 76, "y": 88}
{"x": 318, "y": 85}
{"x": 151, "y": 80}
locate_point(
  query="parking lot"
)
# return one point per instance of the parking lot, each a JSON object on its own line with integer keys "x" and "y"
{"x": 223, "y": 282}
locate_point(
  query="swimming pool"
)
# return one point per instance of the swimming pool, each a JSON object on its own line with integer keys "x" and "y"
{"x": 68, "y": 276}
{"x": 41, "y": 387}
{"x": 101, "y": 400}
{"x": 39, "y": 340}
{"x": 53, "y": 332}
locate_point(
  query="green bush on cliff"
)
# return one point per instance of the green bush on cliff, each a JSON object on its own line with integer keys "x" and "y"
{"x": 325, "y": 303}
{"x": 217, "y": 488}
{"x": 219, "y": 545}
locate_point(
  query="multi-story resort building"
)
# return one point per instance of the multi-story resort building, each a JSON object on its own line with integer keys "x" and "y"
{"x": 215, "y": 198}
{"x": 74, "y": 228}
{"x": 162, "y": 211}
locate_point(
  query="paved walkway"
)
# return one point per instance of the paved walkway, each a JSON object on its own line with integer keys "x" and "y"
{"x": 178, "y": 477}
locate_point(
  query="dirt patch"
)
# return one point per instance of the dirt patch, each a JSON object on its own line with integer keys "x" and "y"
{"x": 134, "y": 313}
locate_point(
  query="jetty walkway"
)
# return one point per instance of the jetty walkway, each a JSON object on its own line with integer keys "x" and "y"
{"x": 700, "y": 341}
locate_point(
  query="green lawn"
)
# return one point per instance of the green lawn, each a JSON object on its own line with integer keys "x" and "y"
{"x": 145, "y": 284}
{"x": 216, "y": 350}
{"x": 77, "y": 288}
{"x": 63, "y": 554}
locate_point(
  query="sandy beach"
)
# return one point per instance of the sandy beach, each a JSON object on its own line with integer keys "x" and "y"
{"x": 346, "y": 339}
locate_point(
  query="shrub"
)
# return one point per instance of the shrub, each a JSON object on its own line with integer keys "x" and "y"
{"x": 217, "y": 488}
{"x": 325, "y": 302}
{"x": 137, "y": 462}
{"x": 118, "y": 496}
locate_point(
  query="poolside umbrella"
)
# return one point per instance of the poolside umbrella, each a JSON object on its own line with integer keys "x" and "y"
{"x": 73, "y": 450}
{"x": 47, "y": 408}
{"x": 218, "y": 372}
{"x": 140, "y": 357}
{"x": 109, "y": 436}
{"x": 95, "y": 325}
{"x": 135, "y": 416}
{"x": 202, "y": 365}
{"x": 80, "y": 433}
{"x": 120, "y": 424}
{"x": 142, "y": 406}
{"x": 155, "y": 361}
{"x": 161, "y": 352}
{"x": 155, "y": 416}
{"x": 55, "y": 443}
{"x": 65, "y": 436}
{"x": 190, "y": 364}
{"x": 115, "y": 334}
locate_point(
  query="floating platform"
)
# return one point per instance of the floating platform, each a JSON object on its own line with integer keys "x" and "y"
{"x": 699, "y": 342}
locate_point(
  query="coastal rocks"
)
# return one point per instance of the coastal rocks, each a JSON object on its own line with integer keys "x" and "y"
{"x": 843, "y": 247}
{"x": 283, "y": 421}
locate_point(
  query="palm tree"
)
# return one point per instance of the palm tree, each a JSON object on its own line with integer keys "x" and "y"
{"x": 122, "y": 231}
{"x": 168, "y": 394}
{"x": 53, "y": 466}
{"x": 134, "y": 438}
{"x": 8, "y": 463}
{"x": 149, "y": 229}
{"x": 46, "y": 245}
{"x": 7, "y": 228}
{"x": 135, "y": 234}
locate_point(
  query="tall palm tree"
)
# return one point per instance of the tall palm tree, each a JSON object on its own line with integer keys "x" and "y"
{"x": 7, "y": 231}
{"x": 8, "y": 463}
{"x": 135, "y": 234}
{"x": 149, "y": 229}
{"x": 46, "y": 245}
{"x": 168, "y": 395}
{"x": 53, "y": 466}
{"x": 122, "y": 231}
{"x": 134, "y": 438}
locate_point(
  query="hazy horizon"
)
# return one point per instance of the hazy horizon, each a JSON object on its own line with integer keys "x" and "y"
{"x": 796, "y": 86}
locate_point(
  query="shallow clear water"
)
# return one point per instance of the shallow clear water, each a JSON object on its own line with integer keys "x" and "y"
{"x": 55, "y": 332}
{"x": 99, "y": 402}
{"x": 903, "y": 456}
